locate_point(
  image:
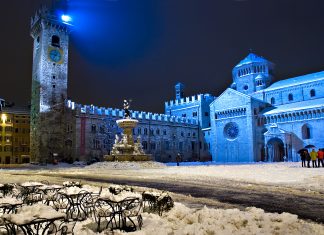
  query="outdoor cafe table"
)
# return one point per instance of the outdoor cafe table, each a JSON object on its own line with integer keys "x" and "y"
{"x": 49, "y": 192}
{"x": 32, "y": 220}
{"x": 30, "y": 193}
{"x": 72, "y": 197}
{"x": 9, "y": 204}
{"x": 113, "y": 207}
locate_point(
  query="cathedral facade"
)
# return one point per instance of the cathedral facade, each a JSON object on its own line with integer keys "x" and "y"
{"x": 252, "y": 120}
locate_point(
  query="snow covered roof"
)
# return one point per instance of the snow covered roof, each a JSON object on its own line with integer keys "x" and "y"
{"x": 303, "y": 105}
{"x": 297, "y": 81}
{"x": 251, "y": 58}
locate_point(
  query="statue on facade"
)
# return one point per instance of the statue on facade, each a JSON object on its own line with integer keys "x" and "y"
{"x": 126, "y": 108}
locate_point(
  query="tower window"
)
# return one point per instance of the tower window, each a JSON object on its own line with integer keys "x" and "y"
{"x": 246, "y": 87}
{"x": 272, "y": 101}
{"x": 53, "y": 86}
{"x": 312, "y": 93}
{"x": 55, "y": 41}
{"x": 290, "y": 97}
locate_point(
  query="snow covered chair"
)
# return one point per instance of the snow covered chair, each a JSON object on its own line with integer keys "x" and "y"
{"x": 132, "y": 207}
{"x": 104, "y": 210}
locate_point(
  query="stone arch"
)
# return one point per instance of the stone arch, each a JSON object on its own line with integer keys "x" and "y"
{"x": 276, "y": 150}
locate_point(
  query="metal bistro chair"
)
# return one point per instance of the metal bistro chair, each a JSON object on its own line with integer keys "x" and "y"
{"x": 132, "y": 207}
{"x": 104, "y": 209}
{"x": 164, "y": 203}
{"x": 149, "y": 202}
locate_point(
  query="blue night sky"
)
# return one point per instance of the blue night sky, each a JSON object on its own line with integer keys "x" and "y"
{"x": 139, "y": 49}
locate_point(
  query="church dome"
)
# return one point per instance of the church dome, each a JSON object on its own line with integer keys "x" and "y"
{"x": 251, "y": 58}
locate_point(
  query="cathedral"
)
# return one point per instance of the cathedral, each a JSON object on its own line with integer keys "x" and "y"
{"x": 253, "y": 120}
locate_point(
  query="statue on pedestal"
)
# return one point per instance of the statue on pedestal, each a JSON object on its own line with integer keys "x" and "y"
{"x": 126, "y": 108}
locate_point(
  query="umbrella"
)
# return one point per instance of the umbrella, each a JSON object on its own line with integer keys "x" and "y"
{"x": 301, "y": 150}
{"x": 309, "y": 146}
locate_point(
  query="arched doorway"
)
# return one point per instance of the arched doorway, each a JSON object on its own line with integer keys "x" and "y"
{"x": 276, "y": 150}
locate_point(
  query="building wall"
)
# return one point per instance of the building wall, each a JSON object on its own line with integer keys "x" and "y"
{"x": 161, "y": 135}
{"x": 14, "y": 137}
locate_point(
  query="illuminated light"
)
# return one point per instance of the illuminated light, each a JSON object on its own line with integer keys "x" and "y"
{"x": 4, "y": 118}
{"x": 66, "y": 18}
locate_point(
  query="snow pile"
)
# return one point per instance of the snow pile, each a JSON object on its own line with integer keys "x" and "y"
{"x": 183, "y": 220}
{"x": 125, "y": 165}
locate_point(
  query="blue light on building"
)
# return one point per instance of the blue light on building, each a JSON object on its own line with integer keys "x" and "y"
{"x": 66, "y": 18}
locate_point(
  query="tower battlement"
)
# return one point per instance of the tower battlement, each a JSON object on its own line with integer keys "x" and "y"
{"x": 189, "y": 100}
{"x": 119, "y": 113}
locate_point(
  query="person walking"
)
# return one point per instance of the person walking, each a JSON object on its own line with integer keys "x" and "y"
{"x": 313, "y": 155}
{"x": 303, "y": 158}
{"x": 178, "y": 159}
{"x": 308, "y": 158}
{"x": 320, "y": 157}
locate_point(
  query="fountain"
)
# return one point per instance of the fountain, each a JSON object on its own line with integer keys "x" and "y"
{"x": 125, "y": 149}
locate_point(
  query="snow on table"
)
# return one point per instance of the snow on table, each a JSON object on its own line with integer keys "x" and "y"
{"x": 119, "y": 197}
{"x": 28, "y": 214}
{"x": 32, "y": 184}
{"x": 10, "y": 200}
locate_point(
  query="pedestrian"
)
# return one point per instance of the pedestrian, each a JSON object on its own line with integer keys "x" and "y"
{"x": 313, "y": 155}
{"x": 303, "y": 158}
{"x": 178, "y": 159}
{"x": 320, "y": 157}
{"x": 308, "y": 158}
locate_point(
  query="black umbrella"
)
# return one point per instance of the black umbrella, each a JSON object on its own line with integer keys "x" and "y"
{"x": 309, "y": 146}
{"x": 301, "y": 150}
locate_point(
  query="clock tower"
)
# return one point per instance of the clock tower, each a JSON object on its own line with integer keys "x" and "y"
{"x": 49, "y": 84}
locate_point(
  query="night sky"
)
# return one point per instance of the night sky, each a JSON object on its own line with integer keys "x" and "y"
{"x": 139, "y": 49}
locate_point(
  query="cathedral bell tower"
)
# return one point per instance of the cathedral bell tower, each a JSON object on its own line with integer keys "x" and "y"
{"x": 49, "y": 84}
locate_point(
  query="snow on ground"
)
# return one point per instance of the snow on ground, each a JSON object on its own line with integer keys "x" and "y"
{"x": 183, "y": 220}
{"x": 284, "y": 173}
{"x": 125, "y": 165}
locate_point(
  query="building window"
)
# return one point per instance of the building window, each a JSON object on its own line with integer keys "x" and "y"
{"x": 153, "y": 146}
{"x": 290, "y": 97}
{"x": 139, "y": 131}
{"x": 184, "y": 115}
{"x": 206, "y": 114}
{"x": 55, "y": 41}
{"x": 272, "y": 101}
{"x": 181, "y": 146}
{"x": 164, "y": 132}
{"x": 182, "y": 134}
{"x": 167, "y": 145}
{"x": 144, "y": 144}
{"x": 194, "y": 114}
{"x": 312, "y": 93}
{"x": 145, "y": 131}
{"x": 93, "y": 128}
{"x": 306, "y": 131}
{"x": 157, "y": 131}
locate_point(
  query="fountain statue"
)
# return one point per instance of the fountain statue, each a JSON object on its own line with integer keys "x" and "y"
{"x": 125, "y": 149}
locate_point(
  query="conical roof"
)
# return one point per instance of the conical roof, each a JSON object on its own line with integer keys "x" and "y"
{"x": 251, "y": 58}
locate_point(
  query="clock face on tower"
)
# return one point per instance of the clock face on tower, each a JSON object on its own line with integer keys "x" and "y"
{"x": 55, "y": 55}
